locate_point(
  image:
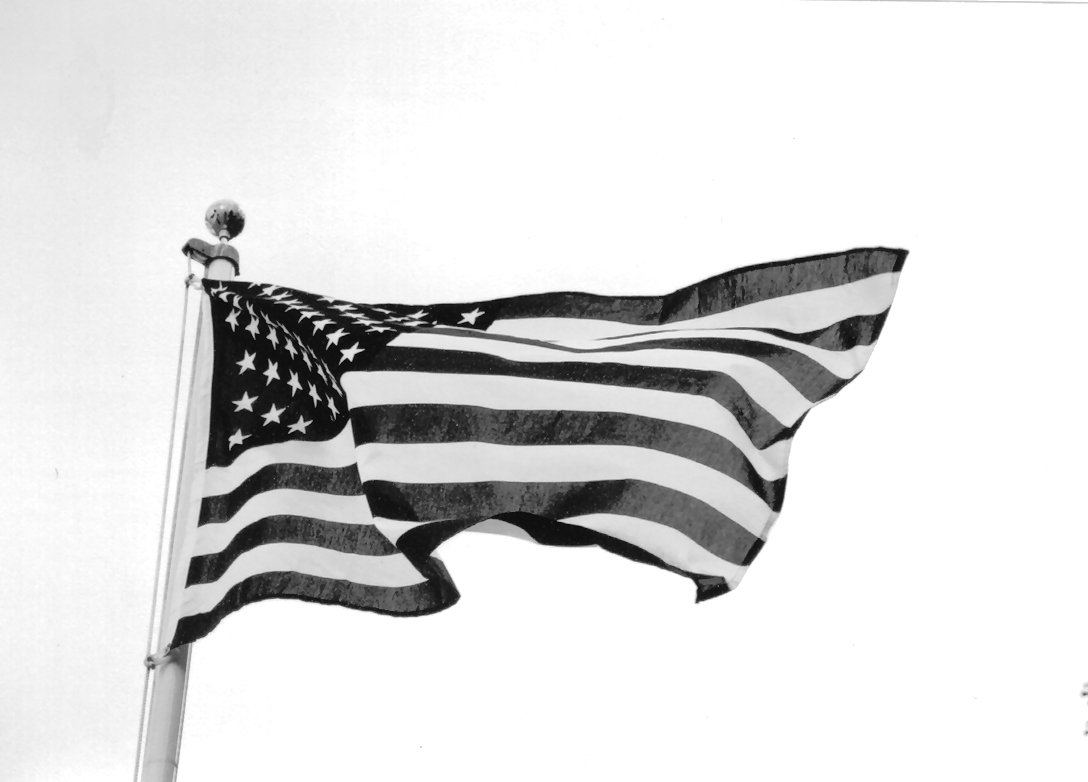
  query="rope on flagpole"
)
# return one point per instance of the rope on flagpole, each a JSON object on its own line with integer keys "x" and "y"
{"x": 152, "y": 660}
{"x": 166, "y": 676}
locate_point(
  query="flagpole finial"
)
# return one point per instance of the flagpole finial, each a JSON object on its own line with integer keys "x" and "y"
{"x": 225, "y": 219}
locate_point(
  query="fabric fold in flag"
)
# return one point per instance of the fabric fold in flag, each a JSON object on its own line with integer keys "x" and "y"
{"x": 347, "y": 441}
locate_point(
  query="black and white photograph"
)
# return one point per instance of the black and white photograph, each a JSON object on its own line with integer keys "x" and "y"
{"x": 404, "y": 390}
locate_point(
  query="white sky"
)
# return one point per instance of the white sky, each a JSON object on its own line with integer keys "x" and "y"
{"x": 919, "y": 610}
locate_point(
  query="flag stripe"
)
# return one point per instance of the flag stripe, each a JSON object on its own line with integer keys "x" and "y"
{"x": 414, "y": 600}
{"x": 337, "y": 451}
{"x": 811, "y": 370}
{"x": 759, "y": 382}
{"x": 843, "y": 361}
{"x": 427, "y": 537}
{"x": 565, "y": 501}
{"x": 842, "y": 335}
{"x": 484, "y": 462}
{"x": 708, "y": 400}
{"x": 796, "y": 313}
{"x": 499, "y": 392}
{"x": 384, "y": 571}
{"x": 444, "y": 423}
{"x": 728, "y": 291}
{"x": 667, "y": 543}
{"x": 350, "y": 509}
{"x": 342, "y": 481}
{"x": 337, "y": 536}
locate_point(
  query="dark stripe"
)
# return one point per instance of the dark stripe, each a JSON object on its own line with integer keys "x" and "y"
{"x": 806, "y": 374}
{"x": 844, "y": 335}
{"x": 337, "y": 536}
{"x": 550, "y": 532}
{"x": 424, "y": 598}
{"x": 721, "y": 293}
{"x": 761, "y": 427}
{"x": 490, "y": 499}
{"x": 341, "y": 481}
{"x": 451, "y": 423}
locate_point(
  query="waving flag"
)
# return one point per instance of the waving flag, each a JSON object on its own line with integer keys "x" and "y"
{"x": 340, "y": 443}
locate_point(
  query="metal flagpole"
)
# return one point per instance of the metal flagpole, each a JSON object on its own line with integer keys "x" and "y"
{"x": 168, "y": 675}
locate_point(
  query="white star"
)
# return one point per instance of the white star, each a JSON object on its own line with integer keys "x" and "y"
{"x": 379, "y": 328}
{"x": 414, "y": 323}
{"x": 289, "y": 346}
{"x": 343, "y": 307}
{"x": 293, "y": 382}
{"x": 306, "y": 358}
{"x": 253, "y": 328}
{"x": 299, "y": 425}
{"x": 418, "y": 315}
{"x": 307, "y": 314}
{"x": 232, "y": 319}
{"x": 273, "y": 337}
{"x": 293, "y": 304}
{"x": 470, "y": 317}
{"x": 245, "y": 403}
{"x": 218, "y": 291}
{"x": 237, "y": 438}
{"x": 319, "y": 325}
{"x": 272, "y": 373}
{"x": 314, "y": 395}
{"x": 327, "y": 298}
{"x": 348, "y": 354}
{"x": 269, "y": 290}
{"x": 332, "y": 405}
{"x": 364, "y": 321}
{"x": 335, "y": 337}
{"x": 246, "y": 363}
{"x": 382, "y": 309}
{"x": 280, "y": 296}
{"x": 273, "y": 414}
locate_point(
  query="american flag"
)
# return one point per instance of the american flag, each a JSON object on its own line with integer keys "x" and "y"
{"x": 346, "y": 441}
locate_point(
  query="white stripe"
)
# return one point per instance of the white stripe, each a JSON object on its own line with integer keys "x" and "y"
{"x": 213, "y": 538}
{"x": 664, "y": 542}
{"x": 386, "y": 571}
{"x": 842, "y": 363}
{"x": 394, "y": 528}
{"x": 498, "y": 392}
{"x": 796, "y": 312}
{"x": 335, "y": 452}
{"x": 763, "y": 384}
{"x": 470, "y": 462}
{"x": 500, "y": 527}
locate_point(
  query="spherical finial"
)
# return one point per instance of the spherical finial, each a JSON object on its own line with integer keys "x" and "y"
{"x": 225, "y": 219}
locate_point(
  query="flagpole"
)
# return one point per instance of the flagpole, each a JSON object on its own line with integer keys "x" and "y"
{"x": 168, "y": 674}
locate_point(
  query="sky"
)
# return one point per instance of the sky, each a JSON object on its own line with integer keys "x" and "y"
{"x": 918, "y": 611}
